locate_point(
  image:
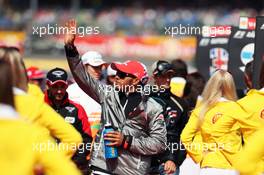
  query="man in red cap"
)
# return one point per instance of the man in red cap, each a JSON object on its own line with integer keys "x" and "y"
{"x": 36, "y": 83}
{"x": 129, "y": 75}
{"x": 140, "y": 131}
{"x": 35, "y": 75}
{"x": 73, "y": 113}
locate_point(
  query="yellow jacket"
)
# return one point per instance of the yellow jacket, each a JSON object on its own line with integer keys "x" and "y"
{"x": 253, "y": 103}
{"x": 197, "y": 140}
{"x": 248, "y": 160}
{"x": 220, "y": 134}
{"x": 19, "y": 153}
{"x": 35, "y": 91}
{"x": 37, "y": 111}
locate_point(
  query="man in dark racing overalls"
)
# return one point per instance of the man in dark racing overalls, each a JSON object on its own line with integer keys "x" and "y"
{"x": 175, "y": 112}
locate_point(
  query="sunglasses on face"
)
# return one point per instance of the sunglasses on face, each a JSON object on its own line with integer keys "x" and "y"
{"x": 97, "y": 67}
{"x": 59, "y": 86}
{"x": 123, "y": 75}
{"x": 157, "y": 75}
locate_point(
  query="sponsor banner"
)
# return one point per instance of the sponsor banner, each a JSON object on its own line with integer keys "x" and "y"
{"x": 212, "y": 54}
{"x": 12, "y": 39}
{"x": 241, "y": 51}
{"x": 259, "y": 51}
{"x": 135, "y": 47}
{"x": 247, "y": 23}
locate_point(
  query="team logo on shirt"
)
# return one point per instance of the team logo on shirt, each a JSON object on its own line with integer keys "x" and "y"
{"x": 262, "y": 114}
{"x": 161, "y": 117}
{"x": 69, "y": 119}
{"x": 216, "y": 117}
{"x": 172, "y": 114}
{"x": 161, "y": 120}
{"x": 70, "y": 109}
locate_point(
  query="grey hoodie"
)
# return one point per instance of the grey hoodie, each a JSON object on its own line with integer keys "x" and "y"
{"x": 146, "y": 124}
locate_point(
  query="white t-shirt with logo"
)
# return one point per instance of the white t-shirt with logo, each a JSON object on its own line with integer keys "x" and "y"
{"x": 91, "y": 107}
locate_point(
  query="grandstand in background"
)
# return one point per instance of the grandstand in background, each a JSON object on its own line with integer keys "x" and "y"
{"x": 128, "y": 29}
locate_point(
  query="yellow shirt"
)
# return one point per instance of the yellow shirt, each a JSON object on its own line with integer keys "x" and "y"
{"x": 19, "y": 149}
{"x": 248, "y": 161}
{"x": 220, "y": 134}
{"x": 38, "y": 112}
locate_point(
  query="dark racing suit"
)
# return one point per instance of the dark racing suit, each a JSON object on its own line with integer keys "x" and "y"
{"x": 74, "y": 114}
{"x": 175, "y": 112}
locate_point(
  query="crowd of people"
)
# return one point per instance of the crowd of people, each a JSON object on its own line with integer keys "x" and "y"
{"x": 129, "y": 20}
{"x": 179, "y": 125}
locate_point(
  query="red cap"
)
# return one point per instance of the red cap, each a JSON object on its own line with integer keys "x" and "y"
{"x": 35, "y": 73}
{"x": 135, "y": 68}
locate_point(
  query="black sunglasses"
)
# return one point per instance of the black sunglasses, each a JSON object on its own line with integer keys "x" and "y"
{"x": 123, "y": 75}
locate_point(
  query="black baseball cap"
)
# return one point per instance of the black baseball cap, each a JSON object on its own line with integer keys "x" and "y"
{"x": 161, "y": 67}
{"x": 57, "y": 75}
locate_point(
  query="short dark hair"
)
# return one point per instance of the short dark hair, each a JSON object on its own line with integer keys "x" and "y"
{"x": 6, "y": 87}
{"x": 193, "y": 88}
{"x": 180, "y": 68}
{"x": 261, "y": 76}
{"x": 249, "y": 70}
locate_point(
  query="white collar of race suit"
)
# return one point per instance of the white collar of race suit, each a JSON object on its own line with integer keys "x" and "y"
{"x": 18, "y": 91}
{"x": 7, "y": 112}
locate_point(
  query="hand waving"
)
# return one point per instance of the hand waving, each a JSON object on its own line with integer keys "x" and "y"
{"x": 71, "y": 32}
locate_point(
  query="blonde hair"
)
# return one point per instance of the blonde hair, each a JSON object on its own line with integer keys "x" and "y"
{"x": 221, "y": 84}
{"x": 14, "y": 58}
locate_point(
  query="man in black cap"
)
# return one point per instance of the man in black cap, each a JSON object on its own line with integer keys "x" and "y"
{"x": 175, "y": 111}
{"x": 57, "y": 97}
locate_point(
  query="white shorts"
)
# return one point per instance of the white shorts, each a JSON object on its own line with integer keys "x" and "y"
{"x": 217, "y": 171}
{"x": 189, "y": 167}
